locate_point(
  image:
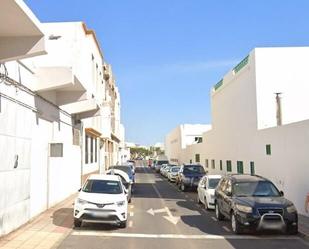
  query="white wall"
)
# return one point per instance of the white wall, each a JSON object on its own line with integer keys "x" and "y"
{"x": 39, "y": 181}
{"x": 244, "y": 104}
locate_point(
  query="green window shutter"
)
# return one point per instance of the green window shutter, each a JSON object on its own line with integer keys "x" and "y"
{"x": 197, "y": 158}
{"x": 240, "y": 167}
{"x": 229, "y": 166}
{"x": 220, "y": 164}
{"x": 252, "y": 169}
{"x": 268, "y": 149}
{"x": 206, "y": 163}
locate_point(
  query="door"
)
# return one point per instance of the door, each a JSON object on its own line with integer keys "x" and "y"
{"x": 226, "y": 201}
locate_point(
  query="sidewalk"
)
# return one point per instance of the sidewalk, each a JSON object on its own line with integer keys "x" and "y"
{"x": 45, "y": 231}
{"x": 303, "y": 225}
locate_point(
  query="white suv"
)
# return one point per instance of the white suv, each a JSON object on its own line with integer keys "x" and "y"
{"x": 102, "y": 199}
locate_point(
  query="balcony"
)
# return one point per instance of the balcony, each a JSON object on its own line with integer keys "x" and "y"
{"x": 82, "y": 109}
{"x": 20, "y": 33}
{"x": 57, "y": 78}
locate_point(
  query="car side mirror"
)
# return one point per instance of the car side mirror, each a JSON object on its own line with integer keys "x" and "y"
{"x": 79, "y": 189}
{"x": 228, "y": 193}
{"x": 125, "y": 190}
{"x": 281, "y": 193}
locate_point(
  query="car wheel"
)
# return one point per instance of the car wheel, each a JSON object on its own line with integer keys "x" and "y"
{"x": 183, "y": 187}
{"x": 198, "y": 199}
{"x": 219, "y": 215}
{"x": 123, "y": 224}
{"x": 292, "y": 230}
{"x": 206, "y": 203}
{"x": 235, "y": 224}
{"x": 77, "y": 222}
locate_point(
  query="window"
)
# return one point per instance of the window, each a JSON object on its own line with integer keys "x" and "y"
{"x": 56, "y": 150}
{"x": 213, "y": 164}
{"x": 268, "y": 149}
{"x": 190, "y": 161}
{"x": 252, "y": 169}
{"x": 240, "y": 167}
{"x": 86, "y": 149}
{"x": 96, "y": 150}
{"x": 197, "y": 158}
{"x": 229, "y": 166}
{"x": 220, "y": 164}
{"x": 206, "y": 163}
{"x": 91, "y": 149}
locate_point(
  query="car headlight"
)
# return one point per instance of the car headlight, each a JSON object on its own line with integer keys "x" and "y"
{"x": 81, "y": 201}
{"x": 120, "y": 203}
{"x": 291, "y": 209}
{"x": 243, "y": 208}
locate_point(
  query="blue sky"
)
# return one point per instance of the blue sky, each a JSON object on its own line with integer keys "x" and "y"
{"x": 167, "y": 54}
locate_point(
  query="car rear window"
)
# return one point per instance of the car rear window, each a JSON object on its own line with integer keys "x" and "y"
{"x": 102, "y": 187}
{"x": 195, "y": 169}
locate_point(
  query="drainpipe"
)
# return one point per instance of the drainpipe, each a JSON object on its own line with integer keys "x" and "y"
{"x": 279, "y": 113}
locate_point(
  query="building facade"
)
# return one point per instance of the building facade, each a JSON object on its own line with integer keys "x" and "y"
{"x": 253, "y": 130}
{"x": 181, "y": 137}
{"x": 53, "y": 109}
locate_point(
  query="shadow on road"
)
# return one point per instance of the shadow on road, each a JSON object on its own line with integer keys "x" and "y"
{"x": 63, "y": 217}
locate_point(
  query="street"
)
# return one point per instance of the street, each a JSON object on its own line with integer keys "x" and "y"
{"x": 160, "y": 216}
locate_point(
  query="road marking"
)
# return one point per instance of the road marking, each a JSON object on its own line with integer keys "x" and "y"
{"x": 131, "y": 214}
{"x": 226, "y": 229}
{"x": 215, "y": 219}
{"x": 132, "y": 206}
{"x": 173, "y": 219}
{"x": 130, "y": 223}
{"x": 182, "y": 236}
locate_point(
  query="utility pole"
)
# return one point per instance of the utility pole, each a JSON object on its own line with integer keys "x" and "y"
{"x": 279, "y": 113}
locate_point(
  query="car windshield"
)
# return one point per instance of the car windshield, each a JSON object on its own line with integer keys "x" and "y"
{"x": 102, "y": 187}
{"x": 258, "y": 188}
{"x": 213, "y": 183}
{"x": 162, "y": 162}
{"x": 195, "y": 169}
{"x": 126, "y": 169}
{"x": 175, "y": 169}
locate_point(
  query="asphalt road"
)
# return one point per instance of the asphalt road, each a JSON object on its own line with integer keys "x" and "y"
{"x": 160, "y": 216}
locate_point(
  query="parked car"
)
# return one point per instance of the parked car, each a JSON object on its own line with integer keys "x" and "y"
{"x": 125, "y": 179}
{"x": 102, "y": 199}
{"x": 159, "y": 164}
{"x": 206, "y": 190}
{"x": 127, "y": 169}
{"x": 167, "y": 169}
{"x": 189, "y": 176}
{"x": 172, "y": 174}
{"x": 163, "y": 166}
{"x": 254, "y": 203}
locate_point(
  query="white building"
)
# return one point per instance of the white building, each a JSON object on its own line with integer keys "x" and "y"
{"x": 182, "y": 136}
{"x": 53, "y": 111}
{"x": 245, "y": 137}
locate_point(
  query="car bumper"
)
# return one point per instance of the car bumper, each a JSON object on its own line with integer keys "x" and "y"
{"x": 110, "y": 215}
{"x": 267, "y": 221}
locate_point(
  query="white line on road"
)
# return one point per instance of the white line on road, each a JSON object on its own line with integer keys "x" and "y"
{"x": 215, "y": 219}
{"x": 131, "y": 214}
{"x": 226, "y": 229}
{"x": 130, "y": 223}
{"x": 182, "y": 236}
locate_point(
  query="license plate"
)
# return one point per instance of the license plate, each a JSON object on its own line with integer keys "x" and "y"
{"x": 99, "y": 215}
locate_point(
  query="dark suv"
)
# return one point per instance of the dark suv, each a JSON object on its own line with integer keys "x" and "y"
{"x": 254, "y": 203}
{"x": 189, "y": 176}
